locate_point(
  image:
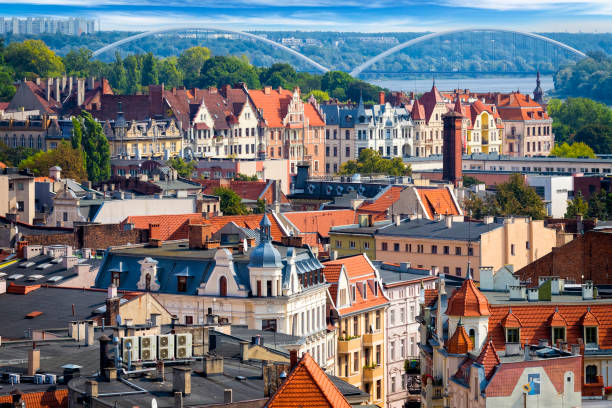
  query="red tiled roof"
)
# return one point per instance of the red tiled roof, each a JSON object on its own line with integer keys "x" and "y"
{"x": 358, "y": 270}
{"x": 489, "y": 359}
{"x": 536, "y": 318}
{"x": 417, "y": 111}
{"x": 556, "y": 320}
{"x": 4, "y": 105}
{"x": 383, "y": 202}
{"x": 589, "y": 319}
{"x": 250, "y": 221}
{"x": 460, "y": 342}
{"x": 320, "y": 222}
{"x": 308, "y": 386}
{"x": 171, "y": 227}
{"x": 275, "y": 106}
{"x": 437, "y": 201}
{"x": 2, "y": 165}
{"x": 431, "y": 296}
{"x": 47, "y": 399}
{"x": 250, "y": 190}
{"x": 429, "y": 100}
{"x": 511, "y": 321}
{"x": 468, "y": 301}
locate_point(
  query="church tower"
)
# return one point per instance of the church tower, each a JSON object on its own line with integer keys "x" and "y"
{"x": 537, "y": 92}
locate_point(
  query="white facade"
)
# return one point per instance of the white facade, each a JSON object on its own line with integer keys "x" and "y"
{"x": 555, "y": 191}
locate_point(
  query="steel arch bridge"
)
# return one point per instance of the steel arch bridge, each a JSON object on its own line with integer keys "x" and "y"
{"x": 356, "y": 71}
{"x": 227, "y": 30}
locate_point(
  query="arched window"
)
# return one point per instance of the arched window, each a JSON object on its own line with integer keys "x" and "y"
{"x": 473, "y": 336}
{"x": 223, "y": 286}
{"x": 148, "y": 282}
{"x": 591, "y": 374}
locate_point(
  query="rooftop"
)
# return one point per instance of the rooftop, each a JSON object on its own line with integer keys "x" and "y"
{"x": 422, "y": 228}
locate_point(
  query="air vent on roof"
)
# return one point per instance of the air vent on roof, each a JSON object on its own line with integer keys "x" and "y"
{"x": 43, "y": 266}
{"x": 57, "y": 260}
{"x": 2, "y": 274}
{"x": 27, "y": 264}
{"x": 54, "y": 278}
{"x": 32, "y": 278}
{"x": 15, "y": 276}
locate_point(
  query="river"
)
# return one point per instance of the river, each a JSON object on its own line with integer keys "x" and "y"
{"x": 491, "y": 84}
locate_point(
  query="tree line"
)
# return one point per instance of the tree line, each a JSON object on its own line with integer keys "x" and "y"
{"x": 590, "y": 77}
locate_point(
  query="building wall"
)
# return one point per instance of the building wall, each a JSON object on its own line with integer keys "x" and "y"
{"x": 141, "y": 308}
{"x": 557, "y": 191}
{"x": 115, "y": 211}
{"x": 18, "y": 191}
{"x": 341, "y": 243}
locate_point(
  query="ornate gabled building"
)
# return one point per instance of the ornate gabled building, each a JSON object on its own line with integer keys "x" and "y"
{"x": 426, "y": 114}
{"x": 252, "y": 281}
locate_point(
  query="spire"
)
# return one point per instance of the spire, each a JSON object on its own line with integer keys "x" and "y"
{"x": 537, "y": 92}
{"x": 361, "y": 110}
{"x": 264, "y": 229}
{"x": 458, "y": 108}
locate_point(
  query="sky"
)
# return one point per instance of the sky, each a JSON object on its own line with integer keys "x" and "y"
{"x": 329, "y": 15}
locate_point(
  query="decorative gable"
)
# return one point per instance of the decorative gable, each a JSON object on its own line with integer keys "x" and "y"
{"x": 148, "y": 275}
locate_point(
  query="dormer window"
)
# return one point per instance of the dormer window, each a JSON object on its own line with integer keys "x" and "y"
{"x": 513, "y": 335}
{"x": 558, "y": 334}
{"x": 182, "y": 284}
{"x": 365, "y": 291}
{"x": 353, "y": 293}
{"x": 590, "y": 335}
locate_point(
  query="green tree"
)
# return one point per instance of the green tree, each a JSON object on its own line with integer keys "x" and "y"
{"x": 320, "y": 96}
{"x": 333, "y": 80}
{"x": 231, "y": 203}
{"x": 132, "y": 66}
{"x": 600, "y": 205}
{"x": 371, "y": 162}
{"x": 469, "y": 181}
{"x": 77, "y": 134}
{"x": 7, "y": 89}
{"x": 77, "y": 62}
{"x": 149, "y": 72}
{"x": 576, "y": 149}
{"x": 515, "y": 197}
{"x": 69, "y": 159}
{"x": 576, "y": 206}
{"x": 12, "y": 156}
{"x": 169, "y": 73}
{"x": 117, "y": 75}
{"x": 95, "y": 147}
{"x": 219, "y": 71}
{"x": 33, "y": 58}
{"x": 184, "y": 168}
{"x": 244, "y": 177}
{"x": 478, "y": 206}
{"x": 575, "y": 113}
{"x": 596, "y": 135}
{"x": 279, "y": 74}
{"x": 190, "y": 62}
{"x": 261, "y": 206}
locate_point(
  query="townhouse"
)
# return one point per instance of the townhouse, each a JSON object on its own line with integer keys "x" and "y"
{"x": 426, "y": 113}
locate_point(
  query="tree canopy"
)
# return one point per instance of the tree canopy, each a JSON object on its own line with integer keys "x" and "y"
{"x": 65, "y": 156}
{"x": 231, "y": 203}
{"x": 590, "y": 77}
{"x": 371, "y": 162}
{"x": 219, "y": 71}
{"x": 576, "y": 149}
{"x": 90, "y": 141}
{"x": 576, "y": 206}
{"x": 33, "y": 58}
{"x": 184, "y": 168}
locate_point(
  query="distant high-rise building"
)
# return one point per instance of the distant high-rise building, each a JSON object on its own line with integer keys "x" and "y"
{"x": 47, "y": 25}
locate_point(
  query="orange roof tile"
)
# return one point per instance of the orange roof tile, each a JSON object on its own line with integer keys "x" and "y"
{"x": 535, "y": 322}
{"x": 308, "y": 386}
{"x": 43, "y": 179}
{"x": 52, "y": 398}
{"x": 2, "y": 165}
{"x": 175, "y": 226}
{"x": 589, "y": 319}
{"x": 275, "y": 105}
{"x": 437, "y": 201}
{"x": 489, "y": 359}
{"x": 382, "y": 202}
{"x": 460, "y": 342}
{"x": 431, "y": 296}
{"x": 250, "y": 221}
{"x": 556, "y": 320}
{"x": 320, "y": 222}
{"x": 468, "y": 301}
{"x": 511, "y": 320}
{"x": 358, "y": 270}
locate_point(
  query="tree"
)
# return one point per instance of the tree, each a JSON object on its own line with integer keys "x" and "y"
{"x": 7, "y": 89}
{"x": 261, "y": 206}
{"x": 244, "y": 177}
{"x": 149, "y": 73}
{"x": 77, "y": 62}
{"x": 576, "y": 149}
{"x": 596, "y": 135}
{"x": 117, "y": 75}
{"x": 600, "y": 205}
{"x": 184, "y": 168}
{"x": 33, "y": 58}
{"x": 371, "y": 162}
{"x": 576, "y": 206}
{"x": 515, "y": 197}
{"x": 69, "y": 159}
{"x": 231, "y": 203}
{"x": 469, "y": 181}
{"x": 87, "y": 136}
{"x": 320, "y": 96}
{"x": 190, "y": 63}
{"x": 133, "y": 77}
{"x": 12, "y": 156}
{"x": 575, "y": 113}
{"x": 169, "y": 73}
{"x": 219, "y": 71}
{"x": 279, "y": 74}
{"x": 333, "y": 80}
{"x": 478, "y": 207}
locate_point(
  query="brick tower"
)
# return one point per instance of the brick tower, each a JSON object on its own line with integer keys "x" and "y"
{"x": 452, "y": 148}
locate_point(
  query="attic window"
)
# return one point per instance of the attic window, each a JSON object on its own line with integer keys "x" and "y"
{"x": 33, "y": 314}
{"x": 365, "y": 291}
{"x": 375, "y": 288}
{"x": 353, "y": 293}
{"x": 558, "y": 334}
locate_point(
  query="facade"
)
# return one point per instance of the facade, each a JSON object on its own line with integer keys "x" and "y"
{"x": 17, "y": 195}
{"x": 426, "y": 114}
{"x": 448, "y": 246}
{"x": 484, "y": 127}
{"x": 47, "y": 25}
{"x": 265, "y": 287}
{"x": 30, "y": 132}
{"x": 403, "y": 286}
{"x": 291, "y": 129}
{"x": 555, "y": 191}
{"x": 357, "y": 306}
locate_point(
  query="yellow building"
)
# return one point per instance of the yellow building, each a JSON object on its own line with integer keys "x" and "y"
{"x": 148, "y": 138}
{"x": 354, "y": 240}
{"x": 358, "y": 310}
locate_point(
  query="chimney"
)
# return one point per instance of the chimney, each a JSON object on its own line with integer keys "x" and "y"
{"x": 178, "y": 400}
{"x": 80, "y": 91}
{"x": 227, "y": 396}
{"x": 452, "y": 148}
{"x": 91, "y": 81}
{"x": 69, "y": 261}
{"x": 199, "y": 234}
{"x": 334, "y": 255}
{"x": 381, "y": 97}
{"x": 532, "y": 294}
{"x": 488, "y": 219}
{"x": 156, "y": 99}
{"x": 49, "y": 87}
{"x": 181, "y": 380}
{"x": 112, "y": 310}
{"x": 89, "y": 333}
{"x": 38, "y": 81}
{"x": 82, "y": 270}
{"x": 526, "y": 350}
{"x": 106, "y": 360}
{"x": 33, "y": 360}
{"x": 56, "y": 90}
{"x": 293, "y": 359}
{"x": 212, "y": 365}
{"x": 397, "y": 220}
{"x": 244, "y": 351}
{"x": 587, "y": 290}
{"x": 21, "y": 246}
{"x": 154, "y": 231}
{"x": 267, "y": 90}
{"x": 449, "y": 221}
{"x": 91, "y": 388}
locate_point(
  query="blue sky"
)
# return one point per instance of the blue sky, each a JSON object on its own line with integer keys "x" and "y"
{"x": 330, "y": 15}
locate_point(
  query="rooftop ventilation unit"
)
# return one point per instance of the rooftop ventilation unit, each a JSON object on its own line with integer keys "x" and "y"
{"x": 165, "y": 346}
{"x": 148, "y": 348}
{"x": 27, "y": 264}
{"x": 183, "y": 345}
{"x": 39, "y": 378}
{"x": 55, "y": 278}
{"x": 43, "y": 266}
{"x": 133, "y": 349}
{"x": 33, "y": 278}
{"x": 50, "y": 379}
{"x": 15, "y": 276}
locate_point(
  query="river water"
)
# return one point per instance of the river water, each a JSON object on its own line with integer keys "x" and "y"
{"x": 490, "y": 84}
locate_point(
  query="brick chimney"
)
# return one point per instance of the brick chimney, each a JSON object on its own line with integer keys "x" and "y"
{"x": 198, "y": 235}
{"x": 156, "y": 99}
{"x": 293, "y": 359}
{"x": 154, "y": 231}
{"x": 381, "y": 97}
{"x": 21, "y": 246}
{"x": 452, "y": 148}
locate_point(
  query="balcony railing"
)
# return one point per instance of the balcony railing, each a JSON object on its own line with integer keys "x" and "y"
{"x": 370, "y": 339}
{"x": 349, "y": 344}
{"x": 372, "y": 372}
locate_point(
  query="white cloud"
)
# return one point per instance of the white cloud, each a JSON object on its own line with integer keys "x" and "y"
{"x": 563, "y": 6}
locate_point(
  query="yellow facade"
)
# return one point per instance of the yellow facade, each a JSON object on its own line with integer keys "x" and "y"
{"x": 361, "y": 352}
{"x": 346, "y": 244}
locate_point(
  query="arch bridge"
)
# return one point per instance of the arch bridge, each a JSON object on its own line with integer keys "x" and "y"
{"x": 356, "y": 71}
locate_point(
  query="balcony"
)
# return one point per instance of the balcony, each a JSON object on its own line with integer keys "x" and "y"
{"x": 353, "y": 378}
{"x": 349, "y": 344}
{"x": 594, "y": 389}
{"x": 373, "y": 372}
{"x": 370, "y": 339}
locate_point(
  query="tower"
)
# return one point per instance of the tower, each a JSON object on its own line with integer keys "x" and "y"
{"x": 452, "y": 147}
{"x": 537, "y": 92}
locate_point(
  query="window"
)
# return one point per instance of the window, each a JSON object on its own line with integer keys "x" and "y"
{"x": 558, "y": 334}
{"x": 392, "y": 351}
{"x": 457, "y": 250}
{"x": 403, "y": 348}
{"x": 182, "y": 284}
{"x": 348, "y": 151}
{"x": 396, "y": 247}
{"x": 269, "y": 288}
{"x": 223, "y": 286}
{"x": 355, "y": 326}
{"x": 420, "y": 248}
{"x": 384, "y": 246}
{"x": 472, "y": 335}
{"x": 402, "y": 315}
{"x": 20, "y": 206}
{"x": 65, "y": 214}
{"x": 434, "y": 249}
{"x": 512, "y": 249}
{"x": 392, "y": 383}
{"x": 378, "y": 354}
{"x": 408, "y": 248}
{"x": 378, "y": 321}
{"x": 338, "y": 244}
{"x": 446, "y": 270}
{"x": 366, "y": 245}
{"x": 446, "y": 250}
{"x": 470, "y": 251}
{"x": 378, "y": 389}
{"x": 458, "y": 271}
{"x": 590, "y": 334}
{"x": 352, "y": 244}
{"x": 258, "y": 288}
{"x": 353, "y": 293}
{"x": 188, "y": 319}
{"x": 512, "y": 335}
{"x": 365, "y": 292}
{"x": 591, "y": 374}
{"x": 356, "y": 362}
{"x": 268, "y": 325}
{"x": 20, "y": 186}
{"x": 526, "y": 244}
{"x": 392, "y": 317}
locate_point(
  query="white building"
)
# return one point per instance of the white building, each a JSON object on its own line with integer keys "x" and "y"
{"x": 555, "y": 191}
